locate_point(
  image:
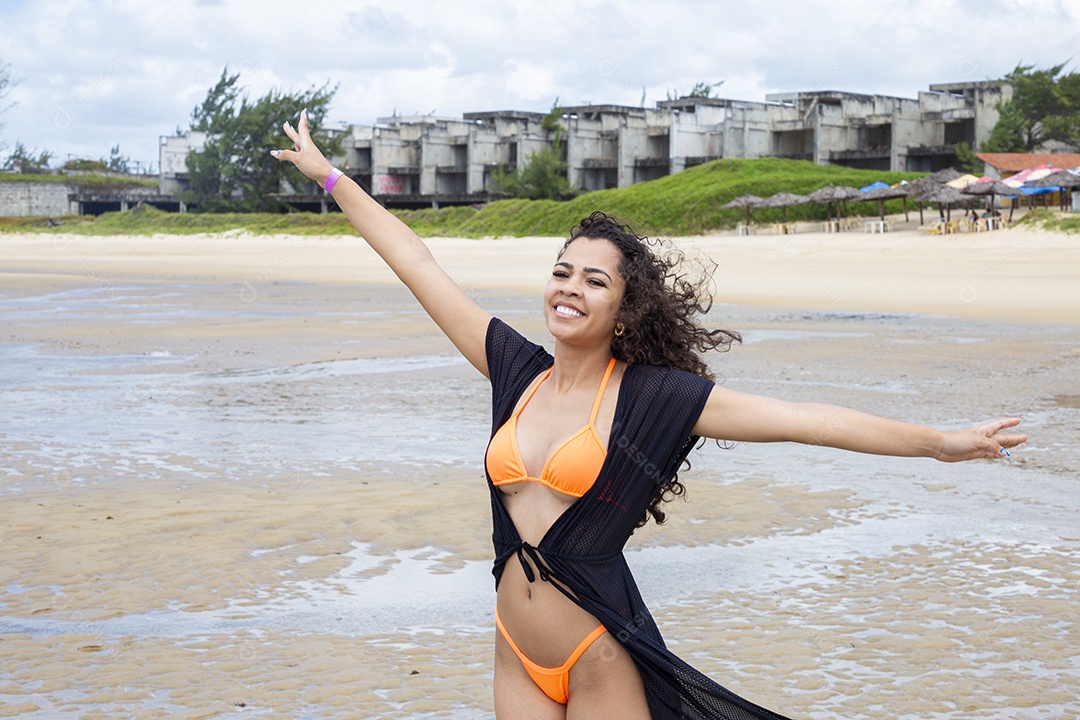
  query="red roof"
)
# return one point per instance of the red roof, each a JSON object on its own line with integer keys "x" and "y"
{"x": 1015, "y": 162}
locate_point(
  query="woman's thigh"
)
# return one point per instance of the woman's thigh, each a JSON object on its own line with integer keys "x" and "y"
{"x": 605, "y": 683}
{"x": 517, "y": 697}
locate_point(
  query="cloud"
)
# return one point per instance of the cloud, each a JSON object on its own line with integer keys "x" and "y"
{"x": 128, "y": 71}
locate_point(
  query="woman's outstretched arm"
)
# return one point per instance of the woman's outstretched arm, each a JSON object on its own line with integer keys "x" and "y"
{"x": 731, "y": 415}
{"x": 463, "y": 321}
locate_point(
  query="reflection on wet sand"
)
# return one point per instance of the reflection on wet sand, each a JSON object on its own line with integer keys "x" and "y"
{"x": 278, "y": 506}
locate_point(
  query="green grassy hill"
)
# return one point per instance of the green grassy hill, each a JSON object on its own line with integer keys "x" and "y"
{"x": 687, "y": 203}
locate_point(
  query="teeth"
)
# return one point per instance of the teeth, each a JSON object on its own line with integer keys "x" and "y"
{"x": 568, "y": 311}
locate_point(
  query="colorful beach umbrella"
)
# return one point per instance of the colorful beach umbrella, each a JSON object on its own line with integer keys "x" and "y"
{"x": 962, "y": 182}
{"x": 1035, "y": 173}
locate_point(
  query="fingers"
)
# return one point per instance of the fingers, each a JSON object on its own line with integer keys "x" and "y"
{"x": 995, "y": 426}
{"x": 290, "y": 132}
{"x": 298, "y": 136}
{"x": 1003, "y": 423}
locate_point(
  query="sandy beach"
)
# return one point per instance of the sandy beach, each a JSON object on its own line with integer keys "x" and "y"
{"x": 242, "y": 476}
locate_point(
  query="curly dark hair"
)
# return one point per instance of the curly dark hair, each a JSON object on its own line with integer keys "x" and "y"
{"x": 659, "y": 312}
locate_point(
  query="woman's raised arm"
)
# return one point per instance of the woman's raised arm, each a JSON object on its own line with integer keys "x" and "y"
{"x": 731, "y": 415}
{"x": 463, "y": 321}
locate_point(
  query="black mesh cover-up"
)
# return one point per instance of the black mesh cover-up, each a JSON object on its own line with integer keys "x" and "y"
{"x": 581, "y": 553}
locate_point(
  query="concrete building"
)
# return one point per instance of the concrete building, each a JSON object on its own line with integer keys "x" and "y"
{"x": 880, "y": 132}
{"x": 421, "y": 161}
{"x": 27, "y": 196}
{"x": 172, "y": 159}
{"x": 704, "y": 129}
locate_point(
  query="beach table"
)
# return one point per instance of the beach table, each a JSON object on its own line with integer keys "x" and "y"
{"x": 830, "y": 226}
{"x": 877, "y": 226}
{"x": 742, "y": 229}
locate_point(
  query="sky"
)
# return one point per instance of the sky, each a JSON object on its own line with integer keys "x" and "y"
{"x": 96, "y": 74}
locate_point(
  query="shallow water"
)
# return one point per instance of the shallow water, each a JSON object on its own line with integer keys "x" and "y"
{"x": 808, "y": 579}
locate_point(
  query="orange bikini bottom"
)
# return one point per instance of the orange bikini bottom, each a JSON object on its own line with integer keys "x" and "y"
{"x": 553, "y": 681}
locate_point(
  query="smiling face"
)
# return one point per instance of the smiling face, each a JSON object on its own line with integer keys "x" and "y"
{"x": 584, "y": 293}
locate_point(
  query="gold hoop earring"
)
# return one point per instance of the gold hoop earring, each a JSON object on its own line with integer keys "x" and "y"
{"x": 619, "y": 330}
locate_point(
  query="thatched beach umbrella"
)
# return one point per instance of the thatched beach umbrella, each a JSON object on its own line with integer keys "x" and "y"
{"x": 744, "y": 201}
{"x": 946, "y": 175}
{"x": 783, "y": 201}
{"x": 920, "y": 191}
{"x": 882, "y": 194}
{"x": 942, "y": 195}
{"x": 1062, "y": 179}
{"x": 833, "y": 194}
{"x": 990, "y": 188}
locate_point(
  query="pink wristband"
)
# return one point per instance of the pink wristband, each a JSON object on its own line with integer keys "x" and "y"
{"x": 332, "y": 179}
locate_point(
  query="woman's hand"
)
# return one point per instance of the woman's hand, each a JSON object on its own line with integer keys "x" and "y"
{"x": 982, "y": 441}
{"x": 305, "y": 156}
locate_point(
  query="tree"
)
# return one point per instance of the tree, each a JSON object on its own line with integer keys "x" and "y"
{"x": 7, "y": 84}
{"x": 701, "y": 89}
{"x": 117, "y": 162}
{"x": 1045, "y": 106}
{"x": 965, "y": 156}
{"x": 234, "y": 171}
{"x": 1065, "y": 126}
{"x": 23, "y": 160}
{"x": 543, "y": 174}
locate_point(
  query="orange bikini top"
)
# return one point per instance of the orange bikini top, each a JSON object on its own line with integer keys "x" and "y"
{"x": 571, "y": 469}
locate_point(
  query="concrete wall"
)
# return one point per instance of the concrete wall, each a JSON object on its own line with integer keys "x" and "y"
{"x": 172, "y": 158}
{"x": 35, "y": 199}
{"x": 617, "y": 146}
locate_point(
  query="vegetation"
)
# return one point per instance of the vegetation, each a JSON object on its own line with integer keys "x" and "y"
{"x": 7, "y": 83}
{"x": 26, "y": 160}
{"x": 701, "y": 89}
{"x": 147, "y": 220}
{"x": 967, "y": 160}
{"x": 543, "y": 174}
{"x": 686, "y": 203}
{"x": 1046, "y": 219}
{"x": 1045, "y": 106}
{"x": 114, "y": 163}
{"x": 89, "y": 181}
{"x": 20, "y": 158}
{"x": 234, "y": 171}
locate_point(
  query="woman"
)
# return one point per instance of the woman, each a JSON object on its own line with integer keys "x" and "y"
{"x": 585, "y": 445}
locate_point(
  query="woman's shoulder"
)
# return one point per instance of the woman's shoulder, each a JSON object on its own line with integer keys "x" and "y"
{"x": 509, "y": 353}
{"x": 660, "y": 379}
{"x": 502, "y": 337}
{"x": 663, "y": 371}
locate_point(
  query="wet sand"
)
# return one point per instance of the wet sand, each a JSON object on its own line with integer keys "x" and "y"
{"x": 243, "y": 475}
